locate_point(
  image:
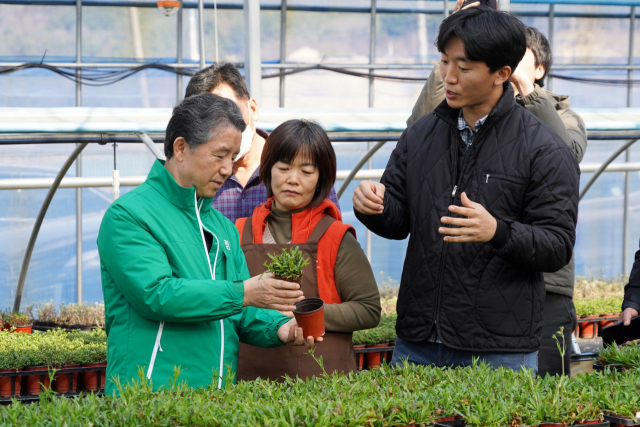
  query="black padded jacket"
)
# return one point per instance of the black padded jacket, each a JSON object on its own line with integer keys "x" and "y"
{"x": 481, "y": 297}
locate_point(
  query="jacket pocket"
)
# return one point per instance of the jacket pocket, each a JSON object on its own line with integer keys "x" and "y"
{"x": 501, "y": 194}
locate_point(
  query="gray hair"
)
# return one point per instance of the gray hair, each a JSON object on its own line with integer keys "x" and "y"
{"x": 200, "y": 118}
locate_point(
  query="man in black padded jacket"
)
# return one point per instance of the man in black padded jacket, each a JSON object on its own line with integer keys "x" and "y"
{"x": 489, "y": 196}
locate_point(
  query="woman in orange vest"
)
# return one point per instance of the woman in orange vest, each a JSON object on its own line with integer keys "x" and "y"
{"x": 298, "y": 167}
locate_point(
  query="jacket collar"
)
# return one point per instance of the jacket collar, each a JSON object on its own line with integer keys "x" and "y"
{"x": 302, "y": 223}
{"x": 181, "y": 197}
{"x": 505, "y": 104}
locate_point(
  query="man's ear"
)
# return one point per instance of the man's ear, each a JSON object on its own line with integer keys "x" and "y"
{"x": 540, "y": 70}
{"x": 180, "y": 147}
{"x": 254, "y": 110}
{"x": 502, "y": 75}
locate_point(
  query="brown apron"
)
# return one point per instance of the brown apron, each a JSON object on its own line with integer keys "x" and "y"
{"x": 273, "y": 363}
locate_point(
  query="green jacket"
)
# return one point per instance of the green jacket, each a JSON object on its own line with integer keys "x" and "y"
{"x": 168, "y": 301}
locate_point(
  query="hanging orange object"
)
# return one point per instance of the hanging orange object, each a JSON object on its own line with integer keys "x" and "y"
{"x": 168, "y": 7}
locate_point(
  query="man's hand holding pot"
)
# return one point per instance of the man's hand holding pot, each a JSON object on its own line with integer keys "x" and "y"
{"x": 291, "y": 333}
{"x": 266, "y": 292}
{"x": 368, "y": 198}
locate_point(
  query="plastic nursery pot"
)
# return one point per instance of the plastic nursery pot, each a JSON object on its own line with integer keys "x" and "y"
{"x": 5, "y": 383}
{"x": 589, "y": 329}
{"x": 34, "y": 381}
{"x": 359, "y": 356}
{"x": 373, "y": 359}
{"x": 23, "y": 329}
{"x": 90, "y": 378}
{"x": 582, "y": 422}
{"x": 309, "y": 315}
{"x": 61, "y": 381}
{"x": 547, "y": 424}
{"x": 450, "y": 418}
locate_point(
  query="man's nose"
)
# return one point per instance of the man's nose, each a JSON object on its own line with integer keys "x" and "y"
{"x": 226, "y": 168}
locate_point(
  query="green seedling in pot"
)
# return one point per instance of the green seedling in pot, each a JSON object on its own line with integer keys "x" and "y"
{"x": 288, "y": 265}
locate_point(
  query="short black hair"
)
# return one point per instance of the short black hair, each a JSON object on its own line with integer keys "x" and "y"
{"x": 199, "y": 118}
{"x": 541, "y": 48}
{"x": 305, "y": 137}
{"x": 207, "y": 79}
{"x": 489, "y": 36}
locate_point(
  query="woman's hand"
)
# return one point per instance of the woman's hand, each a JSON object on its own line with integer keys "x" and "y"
{"x": 291, "y": 333}
{"x": 627, "y": 315}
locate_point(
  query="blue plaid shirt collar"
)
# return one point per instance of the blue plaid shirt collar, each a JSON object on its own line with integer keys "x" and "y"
{"x": 466, "y": 133}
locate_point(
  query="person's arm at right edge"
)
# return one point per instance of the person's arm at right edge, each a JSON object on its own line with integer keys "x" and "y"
{"x": 431, "y": 96}
{"x": 631, "y": 303}
{"x": 382, "y": 206}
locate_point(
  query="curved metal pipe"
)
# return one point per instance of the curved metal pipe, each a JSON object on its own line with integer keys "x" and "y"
{"x": 36, "y": 227}
{"x": 357, "y": 167}
{"x": 150, "y": 144}
{"x": 603, "y": 166}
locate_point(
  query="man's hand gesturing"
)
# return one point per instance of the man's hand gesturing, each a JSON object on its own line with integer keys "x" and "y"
{"x": 267, "y": 292}
{"x": 479, "y": 226}
{"x": 368, "y": 197}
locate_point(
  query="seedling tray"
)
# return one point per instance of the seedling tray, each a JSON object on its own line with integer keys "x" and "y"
{"x": 453, "y": 423}
{"x": 44, "y": 374}
{"x": 614, "y": 419}
{"x": 600, "y": 367}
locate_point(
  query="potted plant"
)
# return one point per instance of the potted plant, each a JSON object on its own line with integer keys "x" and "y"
{"x": 625, "y": 356}
{"x": 13, "y": 357}
{"x": 71, "y": 358}
{"x": 94, "y": 355}
{"x": 287, "y": 266}
{"x": 22, "y": 322}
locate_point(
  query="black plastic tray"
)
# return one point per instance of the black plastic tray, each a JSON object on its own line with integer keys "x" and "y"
{"x": 614, "y": 419}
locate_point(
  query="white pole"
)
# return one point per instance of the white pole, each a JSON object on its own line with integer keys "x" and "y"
{"x": 252, "y": 60}
{"x": 504, "y": 5}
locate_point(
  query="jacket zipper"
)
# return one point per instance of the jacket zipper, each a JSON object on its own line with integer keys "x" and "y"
{"x": 201, "y": 227}
{"x": 457, "y": 182}
{"x": 155, "y": 350}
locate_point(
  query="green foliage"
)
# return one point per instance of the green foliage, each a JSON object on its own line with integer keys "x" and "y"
{"x": 385, "y": 332}
{"x": 385, "y": 397}
{"x": 627, "y": 354}
{"x": 598, "y": 306}
{"x": 53, "y": 348}
{"x": 288, "y": 265}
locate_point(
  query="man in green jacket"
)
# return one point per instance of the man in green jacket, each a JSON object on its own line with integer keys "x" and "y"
{"x": 176, "y": 287}
{"x": 554, "y": 110}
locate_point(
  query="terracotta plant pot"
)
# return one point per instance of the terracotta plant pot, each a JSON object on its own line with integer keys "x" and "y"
{"x": 373, "y": 359}
{"x": 23, "y": 329}
{"x": 34, "y": 381}
{"x": 90, "y": 379}
{"x": 588, "y": 329}
{"x": 5, "y": 384}
{"x": 450, "y": 418}
{"x": 309, "y": 315}
{"x": 359, "y": 356}
{"x": 581, "y": 422}
{"x": 61, "y": 381}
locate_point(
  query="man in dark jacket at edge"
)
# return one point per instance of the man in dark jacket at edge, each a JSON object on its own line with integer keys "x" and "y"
{"x": 555, "y": 111}
{"x": 631, "y": 302}
{"x": 489, "y": 196}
